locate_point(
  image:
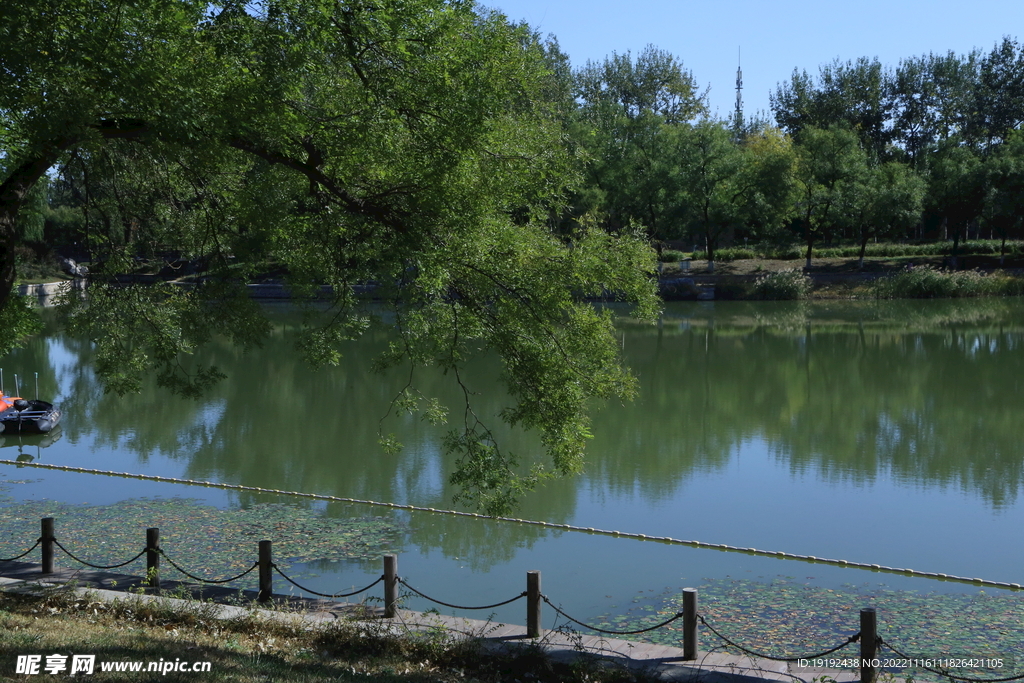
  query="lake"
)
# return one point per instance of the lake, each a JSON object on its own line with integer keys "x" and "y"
{"x": 877, "y": 432}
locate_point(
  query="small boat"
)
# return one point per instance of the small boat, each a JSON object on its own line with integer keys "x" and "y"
{"x": 24, "y": 416}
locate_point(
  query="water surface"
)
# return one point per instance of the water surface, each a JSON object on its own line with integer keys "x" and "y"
{"x": 886, "y": 433}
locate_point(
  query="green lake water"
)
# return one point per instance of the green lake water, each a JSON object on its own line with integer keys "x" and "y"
{"x": 886, "y": 433}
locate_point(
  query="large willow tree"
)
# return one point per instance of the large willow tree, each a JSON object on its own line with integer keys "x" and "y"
{"x": 406, "y": 143}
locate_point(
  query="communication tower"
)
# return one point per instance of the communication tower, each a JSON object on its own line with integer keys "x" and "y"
{"x": 738, "y": 117}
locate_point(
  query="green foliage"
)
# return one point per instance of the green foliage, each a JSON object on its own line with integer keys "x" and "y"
{"x": 874, "y": 250}
{"x": 419, "y": 146}
{"x": 671, "y": 256}
{"x": 655, "y": 83}
{"x": 489, "y": 479}
{"x": 831, "y": 164}
{"x": 709, "y": 188}
{"x": 1004, "y": 200}
{"x": 956, "y": 188}
{"x": 733, "y": 254}
{"x": 889, "y": 201}
{"x": 907, "y": 112}
{"x": 925, "y": 282}
{"x": 170, "y": 323}
{"x": 40, "y": 265}
{"x": 852, "y": 94}
{"x": 628, "y": 111}
{"x": 782, "y": 285}
{"x": 18, "y": 322}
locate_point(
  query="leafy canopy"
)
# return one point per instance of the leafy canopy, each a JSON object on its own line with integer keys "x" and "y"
{"x": 408, "y": 143}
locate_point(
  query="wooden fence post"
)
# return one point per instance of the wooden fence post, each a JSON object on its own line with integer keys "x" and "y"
{"x": 266, "y": 572}
{"x": 153, "y": 557}
{"x": 868, "y": 650}
{"x": 47, "y": 544}
{"x": 689, "y": 623}
{"x": 390, "y": 586}
{"x": 533, "y": 604}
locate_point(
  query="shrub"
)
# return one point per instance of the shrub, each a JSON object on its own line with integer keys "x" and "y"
{"x": 784, "y": 284}
{"x": 671, "y": 256}
{"x": 874, "y": 250}
{"x": 926, "y": 282}
{"x": 729, "y": 254}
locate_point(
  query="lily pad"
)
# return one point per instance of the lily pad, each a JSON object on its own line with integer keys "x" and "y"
{"x": 205, "y": 540}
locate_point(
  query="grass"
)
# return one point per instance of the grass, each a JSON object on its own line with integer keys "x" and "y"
{"x": 926, "y": 282}
{"x": 253, "y": 649}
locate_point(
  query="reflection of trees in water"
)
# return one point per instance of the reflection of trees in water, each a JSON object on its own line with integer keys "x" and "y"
{"x": 926, "y": 392}
{"x": 922, "y": 395}
{"x": 940, "y": 408}
{"x": 24, "y": 362}
{"x": 276, "y": 423}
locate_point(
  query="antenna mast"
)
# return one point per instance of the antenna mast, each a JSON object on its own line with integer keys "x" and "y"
{"x": 738, "y": 117}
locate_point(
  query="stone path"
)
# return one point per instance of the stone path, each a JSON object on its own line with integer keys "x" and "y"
{"x": 660, "y": 661}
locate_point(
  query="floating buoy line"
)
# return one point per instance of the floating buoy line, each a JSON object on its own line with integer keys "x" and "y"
{"x": 548, "y": 525}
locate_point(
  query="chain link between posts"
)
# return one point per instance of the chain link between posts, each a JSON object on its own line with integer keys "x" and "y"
{"x": 445, "y": 604}
{"x": 18, "y": 557}
{"x": 852, "y": 639}
{"x": 325, "y": 595}
{"x": 199, "y": 578}
{"x": 678, "y": 615}
{"x": 96, "y": 566}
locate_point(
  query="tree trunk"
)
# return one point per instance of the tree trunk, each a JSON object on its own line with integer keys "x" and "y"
{"x": 956, "y": 244}
{"x": 14, "y": 190}
{"x": 8, "y": 239}
{"x": 12, "y": 196}
{"x": 810, "y": 247}
{"x": 863, "y": 248}
{"x": 711, "y": 251}
{"x": 1002, "y": 251}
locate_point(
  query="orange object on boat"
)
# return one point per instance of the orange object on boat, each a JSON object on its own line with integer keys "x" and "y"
{"x": 19, "y": 415}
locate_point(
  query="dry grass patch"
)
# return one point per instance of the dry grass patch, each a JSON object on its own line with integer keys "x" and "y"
{"x": 254, "y": 649}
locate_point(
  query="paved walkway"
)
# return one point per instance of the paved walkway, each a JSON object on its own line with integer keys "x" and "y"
{"x": 662, "y": 662}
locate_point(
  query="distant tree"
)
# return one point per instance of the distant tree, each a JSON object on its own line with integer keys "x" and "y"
{"x": 625, "y": 106}
{"x": 723, "y": 185}
{"x": 956, "y": 189}
{"x": 655, "y": 83}
{"x": 885, "y": 202}
{"x": 708, "y": 181}
{"x": 1004, "y": 198}
{"x": 931, "y": 100}
{"x": 852, "y": 94}
{"x": 998, "y": 102}
{"x": 830, "y": 166}
{"x": 769, "y": 166}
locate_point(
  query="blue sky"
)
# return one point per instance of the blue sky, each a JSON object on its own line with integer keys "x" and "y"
{"x": 775, "y": 36}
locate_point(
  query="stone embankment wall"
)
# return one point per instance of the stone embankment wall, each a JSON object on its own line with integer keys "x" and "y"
{"x": 44, "y": 292}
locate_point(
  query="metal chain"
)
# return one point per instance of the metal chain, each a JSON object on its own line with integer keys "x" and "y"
{"x": 616, "y": 633}
{"x": 949, "y": 675}
{"x": 497, "y": 604}
{"x": 326, "y": 595}
{"x": 199, "y": 578}
{"x": 38, "y": 541}
{"x": 96, "y": 566}
{"x": 852, "y": 639}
